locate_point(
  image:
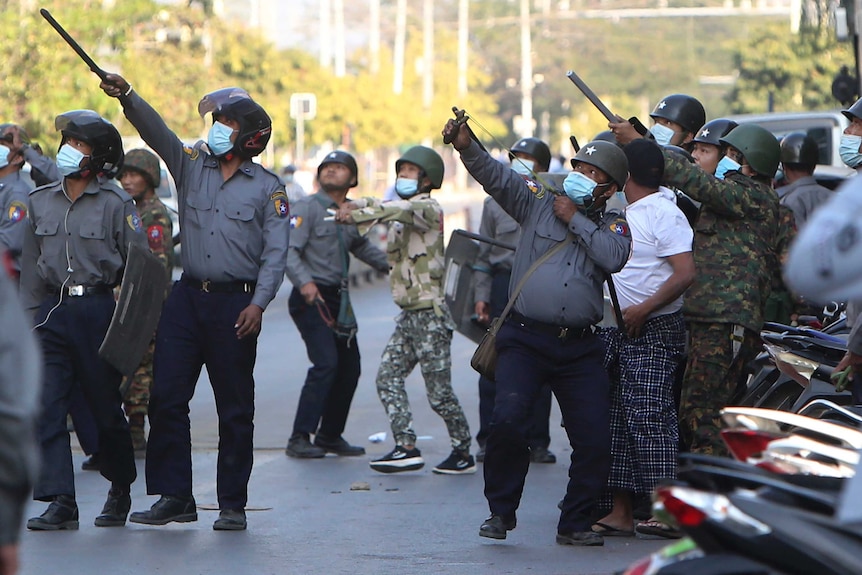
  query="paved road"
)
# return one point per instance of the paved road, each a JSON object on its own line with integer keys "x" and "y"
{"x": 307, "y": 520}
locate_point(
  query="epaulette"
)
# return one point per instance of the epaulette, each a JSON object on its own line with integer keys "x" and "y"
{"x": 52, "y": 186}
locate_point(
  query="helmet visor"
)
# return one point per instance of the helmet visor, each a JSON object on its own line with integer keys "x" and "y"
{"x": 80, "y": 118}
{"x": 215, "y": 101}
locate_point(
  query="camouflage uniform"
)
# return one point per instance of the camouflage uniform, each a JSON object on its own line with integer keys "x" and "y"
{"x": 780, "y": 305}
{"x": 423, "y": 331}
{"x": 735, "y": 253}
{"x": 157, "y": 224}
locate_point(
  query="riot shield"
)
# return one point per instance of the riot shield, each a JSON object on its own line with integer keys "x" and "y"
{"x": 139, "y": 306}
{"x": 461, "y": 254}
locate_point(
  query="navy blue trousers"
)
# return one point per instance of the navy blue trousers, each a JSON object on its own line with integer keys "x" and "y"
{"x": 197, "y": 329}
{"x": 70, "y": 339}
{"x": 335, "y": 368}
{"x": 539, "y": 434}
{"x": 526, "y": 361}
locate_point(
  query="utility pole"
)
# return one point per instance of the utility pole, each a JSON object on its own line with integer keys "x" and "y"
{"x": 428, "y": 54}
{"x": 374, "y": 37}
{"x": 857, "y": 17}
{"x": 400, "y": 37}
{"x": 340, "y": 57}
{"x": 526, "y": 128}
{"x": 463, "y": 36}
{"x": 325, "y": 36}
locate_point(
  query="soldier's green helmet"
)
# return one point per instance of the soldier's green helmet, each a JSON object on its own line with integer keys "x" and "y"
{"x": 146, "y": 163}
{"x": 758, "y": 146}
{"x": 799, "y": 148}
{"x": 427, "y": 159}
{"x": 684, "y": 110}
{"x": 536, "y": 148}
{"x": 607, "y": 157}
{"x": 854, "y": 111}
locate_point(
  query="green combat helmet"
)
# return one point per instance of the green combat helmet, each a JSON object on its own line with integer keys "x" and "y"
{"x": 427, "y": 159}
{"x": 607, "y": 157}
{"x": 758, "y": 146}
{"x": 146, "y": 163}
{"x": 799, "y": 148}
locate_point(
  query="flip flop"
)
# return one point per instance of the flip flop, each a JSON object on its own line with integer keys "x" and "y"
{"x": 606, "y": 530}
{"x": 657, "y": 529}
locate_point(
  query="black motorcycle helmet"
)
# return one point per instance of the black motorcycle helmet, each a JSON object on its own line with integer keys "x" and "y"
{"x": 341, "y": 157}
{"x": 684, "y": 110}
{"x": 88, "y": 126}
{"x": 536, "y": 148}
{"x": 255, "y": 125}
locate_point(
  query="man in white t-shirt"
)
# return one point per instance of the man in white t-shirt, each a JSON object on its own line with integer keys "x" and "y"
{"x": 643, "y": 356}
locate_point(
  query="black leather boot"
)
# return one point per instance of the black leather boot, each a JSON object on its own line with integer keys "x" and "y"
{"x": 62, "y": 514}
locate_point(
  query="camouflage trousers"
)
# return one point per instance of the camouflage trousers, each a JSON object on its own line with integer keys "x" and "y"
{"x": 425, "y": 338}
{"x": 136, "y": 401}
{"x": 712, "y": 376}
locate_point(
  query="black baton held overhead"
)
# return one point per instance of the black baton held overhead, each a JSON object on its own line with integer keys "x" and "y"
{"x": 591, "y": 96}
{"x": 75, "y": 46}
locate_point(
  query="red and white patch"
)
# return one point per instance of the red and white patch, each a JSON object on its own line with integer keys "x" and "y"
{"x": 620, "y": 227}
{"x": 156, "y": 238}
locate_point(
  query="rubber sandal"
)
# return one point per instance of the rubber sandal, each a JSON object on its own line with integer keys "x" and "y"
{"x": 655, "y": 528}
{"x": 606, "y": 530}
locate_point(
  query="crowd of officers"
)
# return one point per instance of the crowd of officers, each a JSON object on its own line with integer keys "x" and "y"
{"x": 688, "y": 225}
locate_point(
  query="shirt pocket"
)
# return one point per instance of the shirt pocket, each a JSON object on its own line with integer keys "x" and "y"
{"x": 51, "y": 245}
{"x": 199, "y": 208}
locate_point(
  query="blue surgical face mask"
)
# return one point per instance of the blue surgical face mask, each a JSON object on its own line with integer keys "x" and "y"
{"x": 726, "y": 165}
{"x": 849, "y": 150}
{"x": 578, "y": 187}
{"x": 4, "y": 156}
{"x": 69, "y": 160}
{"x": 522, "y": 166}
{"x": 218, "y": 139}
{"x": 662, "y": 134}
{"x": 406, "y": 187}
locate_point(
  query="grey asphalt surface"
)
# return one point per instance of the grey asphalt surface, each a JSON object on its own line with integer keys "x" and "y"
{"x": 303, "y": 516}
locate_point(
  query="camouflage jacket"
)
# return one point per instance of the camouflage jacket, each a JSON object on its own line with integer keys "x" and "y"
{"x": 736, "y": 239}
{"x": 414, "y": 248}
{"x": 156, "y": 222}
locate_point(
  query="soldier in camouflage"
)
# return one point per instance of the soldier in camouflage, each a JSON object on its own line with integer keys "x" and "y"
{"x": 140, "y": 177}
{"x": 736, "y": 243}
{"x": 423, "y": 332}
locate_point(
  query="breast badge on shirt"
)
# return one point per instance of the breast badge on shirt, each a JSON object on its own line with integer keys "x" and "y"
{"x": 17, "y": 212}
{"x": 134, "y": 221}
{"x": 279, "y": 202}
{"x": 620, "y": 227}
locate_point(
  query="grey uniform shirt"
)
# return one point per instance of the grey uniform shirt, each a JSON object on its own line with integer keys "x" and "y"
{"x": 565, "y": 290}
{"x": 315, "y": 253}
{"x": 89, "y": 236}
{"x": 803, "y": 197}
{"x": 498, "y": 225}
{"x": 13, "y": 218}
{"x": 43, "y": 164}
{"x": 20, "y": 383}
{"x": 234, "y": 230}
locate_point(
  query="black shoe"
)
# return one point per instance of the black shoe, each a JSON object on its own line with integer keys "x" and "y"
{"x": 92, "y": 463}
{"x": 167, "y": 509}
{"x": 337, "y": 446}
{"x": 61, "y": 515}
{"x": 230, "y": 520}
{"x": 456, "y": 464}
{"x": 116, "y": 509}
{"x": 480, "y": 455}
{"x": 542, "y": 455}
{"x": 496, "y": 527}
{"x": 398, "y": 460}
{"x": 582, "y": 538}
{"x": 299, "y": 446}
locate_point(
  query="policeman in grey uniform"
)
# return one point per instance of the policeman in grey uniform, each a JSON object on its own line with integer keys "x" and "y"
{"x": 549, "y": 337}
{"x": 235, "y": 225}
{"x": 491, "y": 292}
{"x": 802, "y": 194}
{"x": 317, "y": 265}
{"x": 74, "y": 253}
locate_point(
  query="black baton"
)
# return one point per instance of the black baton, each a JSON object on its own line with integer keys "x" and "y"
{"x": 591, "y": 96}
{"x": 75, "y": 46}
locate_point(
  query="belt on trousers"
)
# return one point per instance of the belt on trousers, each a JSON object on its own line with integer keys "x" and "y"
{"x": 559, "y": 331}
{"x": 219, "y": 287}
{"x": 81, "y": 290}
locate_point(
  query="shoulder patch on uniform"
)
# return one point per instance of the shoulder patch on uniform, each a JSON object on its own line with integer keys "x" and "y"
{"x": 295, "y": 221}
{"x": 278, "y": 194}
{"x": 281, "y": 207}
{"x": 17, "y": 211}
{"x": 532, "y": 186}
{"x": 620, "y": 227}
{"x": 191, "y": 152}
{"x": 134, "y": 221}
{"x": 156, "y": 237}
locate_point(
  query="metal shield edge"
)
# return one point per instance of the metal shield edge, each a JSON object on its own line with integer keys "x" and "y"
{"x": 139, "y": 307}
{"x": 461, "y": 253}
